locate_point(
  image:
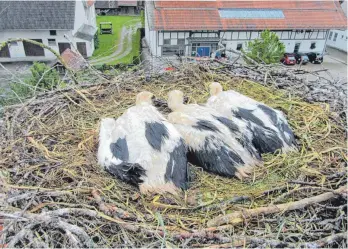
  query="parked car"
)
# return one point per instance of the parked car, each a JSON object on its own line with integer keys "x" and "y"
{"x": 301, "y": 57}
{"x": 315, "y": 57}
{"x": 288, "y": 59}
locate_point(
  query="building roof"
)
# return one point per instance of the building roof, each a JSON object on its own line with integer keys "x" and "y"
{"x": 37, "y": 15}
{"x": 110, "y": 4}
{"x": 248, "y": 15}
{"x": 127, "y": 3}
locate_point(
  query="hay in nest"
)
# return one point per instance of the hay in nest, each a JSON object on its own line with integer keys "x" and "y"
{"x": 56, "y": 195}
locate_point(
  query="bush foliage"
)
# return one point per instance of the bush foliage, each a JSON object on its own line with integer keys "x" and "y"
{"x": 42, "y": 78}
{"x": 269, "y": 49}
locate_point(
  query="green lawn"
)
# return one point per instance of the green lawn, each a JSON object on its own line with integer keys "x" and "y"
{"x": 108, "y": 42}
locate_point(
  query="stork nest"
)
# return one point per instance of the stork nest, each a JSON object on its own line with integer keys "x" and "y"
{"x": 54, "y": 193}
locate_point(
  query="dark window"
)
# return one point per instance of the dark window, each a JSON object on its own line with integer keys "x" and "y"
{"x": 81, "y": 47}
{"x": 342, "y": 36}
{"x": 5, "y": 52}
{"x": 53, "y": 32}
{"x": 166, "y": 41}
{"x": 330, "y": 36}
{"x": 33, "y": 49}
{"x": 52, "y": 42}
{"x": 181, "y": 41}
{"x": 172, "y": 50}
{"x": 313, "y": 45}
{"x": 297, "y": 47}
{"x": 335, "y": 37}
{"x": 62, "y": 46}
{"x": 239, "y": 46}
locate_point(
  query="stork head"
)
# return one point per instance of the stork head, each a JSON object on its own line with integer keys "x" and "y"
{"x": 215, "y": 88}
{"x": 106, "y": 127}
{"x": 144, "y": 97}
{"x": 175, "y": 99}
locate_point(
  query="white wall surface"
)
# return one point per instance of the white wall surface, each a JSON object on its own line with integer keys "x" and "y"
{"x": 17, "y": 52}
{"x": 341, "y": 40}
{"x": 233, "y": 38}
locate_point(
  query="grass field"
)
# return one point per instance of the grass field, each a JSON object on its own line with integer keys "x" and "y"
{"x": 108, "y": 42}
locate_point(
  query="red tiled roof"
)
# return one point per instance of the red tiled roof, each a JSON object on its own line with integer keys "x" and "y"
{"x": 204, "y": 15}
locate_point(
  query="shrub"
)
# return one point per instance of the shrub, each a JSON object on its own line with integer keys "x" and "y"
{"x": 43, "y": 76}
{"x": 267, "y": 50}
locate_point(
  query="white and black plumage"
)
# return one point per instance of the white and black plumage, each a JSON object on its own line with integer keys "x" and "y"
{"x": 214, "y": 143}
{"x": 270, "y": 129}
{"x": 142, "y": 148}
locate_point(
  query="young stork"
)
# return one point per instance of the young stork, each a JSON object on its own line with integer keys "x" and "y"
{"x": 215, "y": 143}
{"x": 142, "y": 148}
{"x": 270, "y": 129}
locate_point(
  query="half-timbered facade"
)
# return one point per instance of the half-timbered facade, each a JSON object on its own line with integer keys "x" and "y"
{"x": 196, "y": 28}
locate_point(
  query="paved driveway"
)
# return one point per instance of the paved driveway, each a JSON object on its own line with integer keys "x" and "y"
{"x": 336, "y": 63}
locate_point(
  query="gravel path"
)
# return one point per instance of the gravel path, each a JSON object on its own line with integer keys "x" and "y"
{"x": 125, "y": 41}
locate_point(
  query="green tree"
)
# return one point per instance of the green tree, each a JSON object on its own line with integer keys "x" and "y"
{"x": 267, "y": 50}
{"x": 43, "y": 76}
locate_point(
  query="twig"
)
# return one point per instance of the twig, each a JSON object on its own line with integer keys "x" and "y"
{"x": 238, "y": 217}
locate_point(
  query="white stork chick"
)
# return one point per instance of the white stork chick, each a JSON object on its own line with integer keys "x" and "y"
{"x": 142, "y": 148}
{"x": 271, "y": 131}
{"x": 210, "y": 139}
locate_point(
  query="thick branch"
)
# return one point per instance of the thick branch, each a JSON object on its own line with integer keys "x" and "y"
{"x": 238, "y": 217}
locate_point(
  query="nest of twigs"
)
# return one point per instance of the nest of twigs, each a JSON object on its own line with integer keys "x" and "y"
{"x": 56, "y": 195}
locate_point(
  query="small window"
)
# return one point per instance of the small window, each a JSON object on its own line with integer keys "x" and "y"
{"x": 313, "y": 45}
{"x": 53, "y": 32}
{"x": 330, "y": 35}
{"x": 335, "y": 37}
{"x": 239, "y": 46}
{"x": 13, "y": 43}
{"x": 166, "y": 41}
{"x": 181, "y": 41}
{"x": 170, "y": 51}
{"x": 52, "y": 42}
{"x": 342, "y": 36}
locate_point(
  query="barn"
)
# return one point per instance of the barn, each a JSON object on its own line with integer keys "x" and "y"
{"x": 196, "y": 28}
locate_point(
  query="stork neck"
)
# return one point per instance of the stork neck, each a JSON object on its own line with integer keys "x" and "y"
{"x": 176, "y": 107}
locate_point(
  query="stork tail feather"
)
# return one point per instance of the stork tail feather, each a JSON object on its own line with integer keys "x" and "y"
{"x": 128, "y": 172}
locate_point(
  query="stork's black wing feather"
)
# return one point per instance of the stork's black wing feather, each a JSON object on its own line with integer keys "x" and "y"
{"x": 266, "y": 140}
{"x": 120, "y": 149}
{"x": 280, "y": 124}
{"x": 155, "y": 134}
{"x": 177, "y": 170}
{"x": 125, "y": 171}
{"x": 215, "y": 158}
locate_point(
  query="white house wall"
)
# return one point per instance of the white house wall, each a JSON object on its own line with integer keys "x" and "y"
{"x": 17, "y": 52}
{"x": 232, "y": 38}
{"x": 341, "y": 39}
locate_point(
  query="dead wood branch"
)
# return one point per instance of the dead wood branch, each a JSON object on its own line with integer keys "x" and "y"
{"x": 238, "y": 217}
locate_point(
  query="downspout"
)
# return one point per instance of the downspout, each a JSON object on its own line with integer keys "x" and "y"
{"x": 326, "y": 35}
